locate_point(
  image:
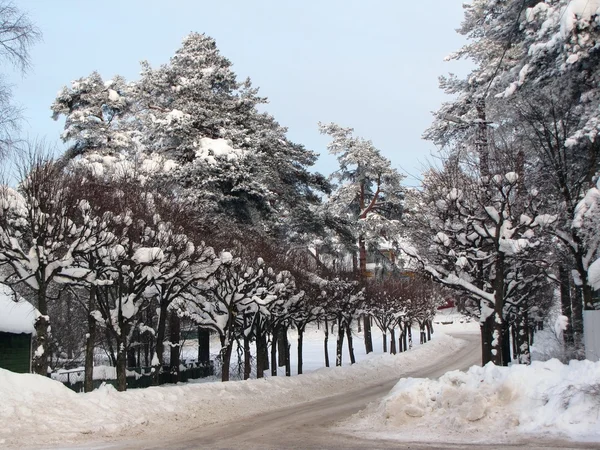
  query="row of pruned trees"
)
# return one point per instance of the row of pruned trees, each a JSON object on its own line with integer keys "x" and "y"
{"x": 131, "y": 260}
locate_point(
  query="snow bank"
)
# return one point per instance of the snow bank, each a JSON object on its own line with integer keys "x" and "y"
{"x": 490, "y": 404}
{"x": 35, "y": 409}
{"x": 16, "y": 316}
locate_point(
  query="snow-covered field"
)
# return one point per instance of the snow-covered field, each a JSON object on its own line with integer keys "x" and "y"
{"x": 483, "y": 405}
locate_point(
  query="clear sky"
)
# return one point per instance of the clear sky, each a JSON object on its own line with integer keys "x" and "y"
{"x": 371, "y": 65}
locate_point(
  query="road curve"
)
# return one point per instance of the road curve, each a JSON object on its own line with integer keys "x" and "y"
{"x": 308, "y": 426}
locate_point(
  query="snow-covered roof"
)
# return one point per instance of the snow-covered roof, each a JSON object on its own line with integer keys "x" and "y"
{"x": 16, "y": 316}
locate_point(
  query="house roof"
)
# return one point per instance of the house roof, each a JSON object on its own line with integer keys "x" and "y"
{"x": 16, "y": 316}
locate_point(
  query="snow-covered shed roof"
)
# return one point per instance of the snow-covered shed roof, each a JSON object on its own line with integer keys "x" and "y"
{"x": 16, "y": 316}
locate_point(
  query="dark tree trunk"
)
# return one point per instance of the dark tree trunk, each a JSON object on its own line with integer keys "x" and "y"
{"x": 523, "y": 338}
{"x": 300, "y": 348}
{"x": 565, "y": 302}
{"x": 486, "y": 329}
{"x": 384, "y": 341}
{"x": 325, "y": 344}
{"x": 350, "y": 344}
{"x": 281, "y": 346}
{"x": 203, "y": 346}
{"x": 40, "y": 358}
{"x": 160, "y": 345}
{"x": 368, "y": 333}
{"x": 405, "y": 337}
{"x": 247, "y": 359}
{"x": 577, "y": 312}
{"x": 506, "y": 344}
{"x": 261, "y": 351}
{"x": 132, "y": 358}
{"x": 121, "y": 365}
{"x": 226, "y": 349}
{"x": 393, "y": 341}
{"x": 88, "y": 383}
{"x": 288, "y": 362}
{"x": 274, "y": 352}
{"x": 498, "y": 317}
{"x": 175, "y": 339}
{"x": 515, "y": 346}
{"x": 339, "y": 343}
{"x": 429, "y": 329}
{"x": 409, "y": 332}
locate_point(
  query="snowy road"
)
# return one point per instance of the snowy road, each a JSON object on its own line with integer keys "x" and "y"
{"x": 309, "y": 425}
{"x": 309, "y": 411}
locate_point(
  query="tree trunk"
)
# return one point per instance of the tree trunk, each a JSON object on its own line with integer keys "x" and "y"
{"x": 325, "y": 344}
{"x": 405, "y": 337}
{"x": 506, "y": 344}
{"x": 577, "y": 311}
{"x": 368, "y": 333}
{"x": 429, "y": 330}
{"x": 300, "y": 348}
{"x": 121, "y": 365}
{"x": 384, "y": 341}
{"x": 393, "y": 341}
{"x": 203, "y": 346}
{"x": 42, "y": 323}
{"x": 175, "y": 349}
{"x": 247, "y": 359}
{"x": 274, "y": 352}
{"x": 226, "y": 349}
{"x": 339, "y": 343}
{"x": 486, "y": 330}
{"x": 523, "y": 338}
{"x": 350, "y": 344}
{"x": 362, "y": 248}
{"x": 565, "y": 302}
{"x": 132, "y": 361}
{"x": 288, "y": 362}
{"x": 409, "y": 332}
{"x": 261, "y": 351}
{"x": 88, "y": 383}
{"x": 160, "y": 345}
{"x": 281, "y": 346}
{"x": 515, "y": 347}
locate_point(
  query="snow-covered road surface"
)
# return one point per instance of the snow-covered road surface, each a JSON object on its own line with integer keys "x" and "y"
{"x": 315, "y": 410}
{"x": 308, "y": 425}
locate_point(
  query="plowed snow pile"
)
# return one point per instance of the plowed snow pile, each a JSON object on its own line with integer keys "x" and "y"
{"x": 490, "y": 404}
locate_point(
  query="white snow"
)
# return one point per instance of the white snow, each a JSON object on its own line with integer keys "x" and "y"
{"x": 16, "y": 316}
{"x": 490, "y": 404}
{"x": 482, "y": 405}
{"x": 38, "y": 409}
{"x": 148, "y": 255}
{"x": 209, "y": 149}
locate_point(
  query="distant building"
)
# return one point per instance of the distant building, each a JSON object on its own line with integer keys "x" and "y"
{"x": 17, "y": 318}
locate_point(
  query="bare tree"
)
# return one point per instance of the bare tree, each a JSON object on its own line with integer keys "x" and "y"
{"x": 17, "y": 35}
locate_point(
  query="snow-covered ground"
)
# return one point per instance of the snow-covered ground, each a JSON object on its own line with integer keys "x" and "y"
{"x": 490, "y": 404}
{"x": 39, "y": 410}
{"x": 482, "y": 405}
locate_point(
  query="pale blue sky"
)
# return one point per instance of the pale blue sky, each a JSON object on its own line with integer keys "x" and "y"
{"x": 372, "y": 65}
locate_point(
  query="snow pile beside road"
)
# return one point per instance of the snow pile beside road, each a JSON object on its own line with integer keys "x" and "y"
{"x": 35, "y": 409}
{"x": 490, "y": 404}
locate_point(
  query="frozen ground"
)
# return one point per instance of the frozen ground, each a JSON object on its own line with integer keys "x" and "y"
{"x": 37, "y": 410}
{"x": 544, "y": 399}
{"x": 490, "y": 404}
